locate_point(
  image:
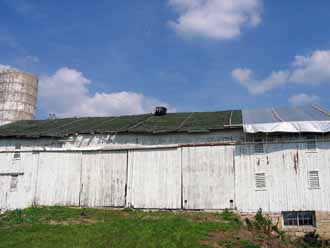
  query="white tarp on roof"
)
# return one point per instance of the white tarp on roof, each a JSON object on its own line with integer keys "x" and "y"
{"x": 292, "y": 120}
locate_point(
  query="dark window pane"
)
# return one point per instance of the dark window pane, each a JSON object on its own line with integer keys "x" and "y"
{"x": 305, "y": 218}
{"x": 302, "y": 218}
{"x": 290, "y": 218}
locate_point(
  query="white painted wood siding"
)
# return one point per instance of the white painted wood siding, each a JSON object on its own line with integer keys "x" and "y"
{"x": 26, "y": 168}
{"x": 58, "y": 179}
{"x": 286, "y": 166}
{"x": 154, "y": 179}
{"x": 208, "y": 177}
{"x": 103, "y": 179}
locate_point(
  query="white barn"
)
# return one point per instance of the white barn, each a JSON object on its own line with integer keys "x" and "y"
{"x": 274, "y": 159}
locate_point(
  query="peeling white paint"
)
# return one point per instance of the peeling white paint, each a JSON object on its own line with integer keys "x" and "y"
{"x": 103, "y": 179}
{"x": 154, "y": 179}
{"x": 174, "y": 177}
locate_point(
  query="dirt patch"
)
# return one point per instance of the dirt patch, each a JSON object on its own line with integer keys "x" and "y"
{"x": 244, "y": 238}
{"x": 82, "y": 221}
{"x": 203, "y": 217}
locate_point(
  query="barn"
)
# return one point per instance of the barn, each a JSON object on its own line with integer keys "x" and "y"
{"x": 275, "y": 159}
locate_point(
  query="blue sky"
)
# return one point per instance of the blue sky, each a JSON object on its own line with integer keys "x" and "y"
{"x": 125, "y": 57}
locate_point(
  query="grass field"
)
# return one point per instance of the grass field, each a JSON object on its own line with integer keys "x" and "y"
{"x": 70, "y": 227}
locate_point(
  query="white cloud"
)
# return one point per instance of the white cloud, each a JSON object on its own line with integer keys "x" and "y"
{"x": 303, "y": 99}
{"x": 5, "y": 67}
{"x": 275, "y": 79}
{"x": 312, "y": 69}
{"x": 66, "y": 93}
{"x": 242, "y": 74}
{"x": 215, "y": 19}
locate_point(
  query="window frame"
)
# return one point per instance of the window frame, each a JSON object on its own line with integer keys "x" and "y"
{"x": 311, "y": 139}
{"x": 17, "y": 152}
{"x": 256, "y": 178}
{"x": 13, "y": 185}
{"x": 258, "y": 142}
{"x": 311, "y": 177}
{"x": 299, "y": 217}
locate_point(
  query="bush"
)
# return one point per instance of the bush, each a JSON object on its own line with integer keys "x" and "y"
{"x": 311, "y": 240}
{"x": 263, "y": 224}
{"x": 18, "y": 218}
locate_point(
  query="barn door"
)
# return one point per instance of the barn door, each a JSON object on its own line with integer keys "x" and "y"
{"x": 103, "y": 179}
{"x": 208, "y": 177}
{"x": 154, "y": 179}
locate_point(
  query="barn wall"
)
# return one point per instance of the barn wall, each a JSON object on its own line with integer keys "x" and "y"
{"x": 58, "y": 179}
{"x": 120, "y": 140}
{"x": 103, "y": 179}
{"x": 208, "y": 177}
{"x": 26, "y": 174}
{"x": 204, "y": 177}
{"x": 154, "y": 179}
{"x": 286, "y": 166}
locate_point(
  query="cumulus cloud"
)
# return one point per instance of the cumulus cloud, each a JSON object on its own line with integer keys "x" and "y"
{"x": 312, "y": 69}
{"x": 5, "y": 67}
{"x": 275, "y": 79}
{"x": 66, "y": 93}
{"x": 303, "y": 99}
{"x": 215, "y": 19}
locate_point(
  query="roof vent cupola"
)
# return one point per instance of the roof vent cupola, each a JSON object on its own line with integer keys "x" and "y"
{"x": 159, "y": 111}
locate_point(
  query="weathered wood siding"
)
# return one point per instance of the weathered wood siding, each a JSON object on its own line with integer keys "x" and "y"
{"x": 23, "y": 196}
{"x": 208, "y": 177}
{"x": 286, "y": 166}
{"x": 200, "y": 177}
{"x": 103, "y": 179}
{"x": 58, "y": 179}
{"x": 119, "y": 140}
{"x": 154, "y": 179}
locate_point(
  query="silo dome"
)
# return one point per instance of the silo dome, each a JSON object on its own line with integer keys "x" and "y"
{"x": 18, "y": 96}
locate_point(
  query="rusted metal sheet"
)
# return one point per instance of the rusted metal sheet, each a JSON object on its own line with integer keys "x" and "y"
{"x": 58, "y": 179}
{"x": 103, "y": 179}
{"x": 208, "y": 177}
{"x": 154, "y": 179}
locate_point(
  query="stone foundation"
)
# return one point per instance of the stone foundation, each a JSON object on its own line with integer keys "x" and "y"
{"x": 322, "y": 226}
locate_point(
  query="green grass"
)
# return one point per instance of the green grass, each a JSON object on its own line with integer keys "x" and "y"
{"x": 69, "y": 227}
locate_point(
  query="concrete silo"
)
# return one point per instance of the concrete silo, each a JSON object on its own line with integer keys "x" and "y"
{"x": 18, "y": 96}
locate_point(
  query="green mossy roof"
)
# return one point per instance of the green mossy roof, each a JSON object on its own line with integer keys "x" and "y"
{"x": 199, "y": 122}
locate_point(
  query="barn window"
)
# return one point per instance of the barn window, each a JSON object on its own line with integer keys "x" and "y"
{"x": 299, "y": 218}
{"x": 260, "y": 181}
{"x": 311, "y": 143}
{"x": 259, "y": 146}
{"x": 13, "y": 183}
{"x": 313, "y": 179}
{"x": 17, "y": 153}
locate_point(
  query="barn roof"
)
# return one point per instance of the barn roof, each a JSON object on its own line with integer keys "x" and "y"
{"x": 193, "y": 122}
{"x": 312, "y": 118}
